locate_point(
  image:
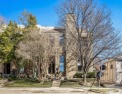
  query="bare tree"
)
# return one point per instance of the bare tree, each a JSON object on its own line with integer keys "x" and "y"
{"x": 36, "y": 47}
{"x": 89, "y": 32}
{"x": 2, "y": 22}
{"x": 23, "y": 18}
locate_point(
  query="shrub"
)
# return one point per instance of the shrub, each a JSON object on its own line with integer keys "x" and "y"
{"x": 34, "y": 80}
{"x": 89, "y": 75}
{"x": 78, "y": 75}
{"x": 11, "y": 78}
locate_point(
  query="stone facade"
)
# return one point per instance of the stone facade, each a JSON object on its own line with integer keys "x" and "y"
{"x": 57, "y": 35}
{"x": 1, "y": 68}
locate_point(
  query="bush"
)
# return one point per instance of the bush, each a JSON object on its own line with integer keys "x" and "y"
{"x": 78, "y": 75}
{"x": 89, "y": 75}
{"x": 34, "y": 80}
{"x": 11, "y": 78}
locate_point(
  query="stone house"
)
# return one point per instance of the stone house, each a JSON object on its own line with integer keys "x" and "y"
{"x": 56, "y": 35}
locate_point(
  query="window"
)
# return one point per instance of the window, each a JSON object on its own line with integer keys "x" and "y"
{"x": 111, "y": 67}
{"x": 61, "y": 63}
{"x": 61, "y": 40}
{"x": 84, "y": 41}
{"x": 51, "y": 69}
{"x": 79, "y": 65}
{"x": 80, "y": 68}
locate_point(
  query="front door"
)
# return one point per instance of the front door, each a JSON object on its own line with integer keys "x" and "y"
{"x": 7, "y": 68}
{"x": 51, "y": 69}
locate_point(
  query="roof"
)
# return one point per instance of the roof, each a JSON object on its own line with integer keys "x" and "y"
{"x": 46, "y": 28}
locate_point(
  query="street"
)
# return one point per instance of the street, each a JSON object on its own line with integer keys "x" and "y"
{"x": 53, "y": 90}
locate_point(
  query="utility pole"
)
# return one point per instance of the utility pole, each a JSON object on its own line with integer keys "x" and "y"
{"x": 100, "y": 74}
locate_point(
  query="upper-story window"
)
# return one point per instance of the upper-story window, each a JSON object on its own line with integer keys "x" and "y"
{"x": 111, "y": 67}
{"x": 61, "y": 39}
{"x": 84, "y": 41}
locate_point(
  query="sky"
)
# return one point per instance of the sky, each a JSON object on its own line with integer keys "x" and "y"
{"x": 44, "y": 10}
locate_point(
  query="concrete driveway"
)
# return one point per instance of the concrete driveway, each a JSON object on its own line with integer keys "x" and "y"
{"x": 116, "y": 86}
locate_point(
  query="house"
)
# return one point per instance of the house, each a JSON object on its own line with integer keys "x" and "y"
{"x": 56, "y": 35}
{"x": 113, "y": 72}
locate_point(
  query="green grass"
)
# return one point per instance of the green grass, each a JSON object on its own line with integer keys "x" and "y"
{"x": 75, "y": 82}
{"x": 81, "y": 79}
{"x": 25, "y": 83}
{"x": 0, "y": 78}
{"x": 70, "y": 84}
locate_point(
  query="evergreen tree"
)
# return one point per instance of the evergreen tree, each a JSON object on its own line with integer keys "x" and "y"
{"x": 32, "y": 21}
{"x": 8, "y": 41}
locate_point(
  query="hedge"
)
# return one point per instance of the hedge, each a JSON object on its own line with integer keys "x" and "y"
{"x": 89, "y": 75}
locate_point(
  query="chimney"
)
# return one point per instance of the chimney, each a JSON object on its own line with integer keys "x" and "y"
{"x": 70, "y": 22}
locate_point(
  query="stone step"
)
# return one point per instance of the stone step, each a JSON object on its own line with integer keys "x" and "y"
{"x": 56, "y": 83}
{"x": 2, "y": 82}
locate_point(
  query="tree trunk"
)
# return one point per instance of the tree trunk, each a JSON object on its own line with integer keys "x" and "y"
{"x": 38, "y": 68}
{"x": 84, "y": 78}
{"x": 34, "y": 71}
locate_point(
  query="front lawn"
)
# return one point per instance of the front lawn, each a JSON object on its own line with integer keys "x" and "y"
{"x": 70, "y": 84}
{"x": 78, "y": 83}
{"x": 1, "y": 78}
{"x": 34, "y": 83}
{"x": 27, "y": 83}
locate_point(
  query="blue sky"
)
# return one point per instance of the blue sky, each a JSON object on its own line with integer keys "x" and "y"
{"x": 44, "y": 10}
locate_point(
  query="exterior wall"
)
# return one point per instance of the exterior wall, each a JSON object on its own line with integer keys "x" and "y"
{"x": 109, "y": 73}
{"x": 1, "y": 68}
{"x": 59, "y": 50}
{"x": 113, "y": 72}
{"x": 57, "y": 54}
{"x": 91, "y": 69}
{"x": 55, "y": 35}
{"x": 71, "y": 69}
{"x": 118, "y": 74}
{"x": 71, "y": 65}
{"x": 71, "y": 62}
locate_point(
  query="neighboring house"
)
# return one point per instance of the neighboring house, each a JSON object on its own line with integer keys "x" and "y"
{"x": 113, "y": 72}
{"x": 57, "y": 39}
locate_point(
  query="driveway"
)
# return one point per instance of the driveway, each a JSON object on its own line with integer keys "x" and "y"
{"x": 117, "y": 86}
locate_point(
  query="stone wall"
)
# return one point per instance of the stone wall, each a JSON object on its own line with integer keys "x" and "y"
{"x": 1, "y": 68}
